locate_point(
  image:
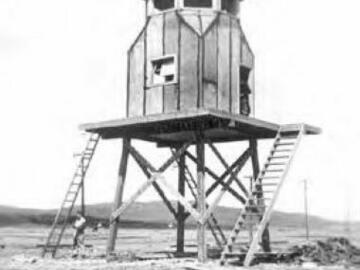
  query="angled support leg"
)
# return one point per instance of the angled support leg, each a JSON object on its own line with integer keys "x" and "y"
{"x": 256, "y": 170}
{"x": 201, "y": 204}
{"x": 119, "y": 194}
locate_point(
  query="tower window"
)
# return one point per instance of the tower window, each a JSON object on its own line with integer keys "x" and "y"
{"x": 245, "y": 90}
{"x": 163, "y": 4}
{"x": 163, "y": 70}
{"x": 198, "y": 3}
{"x": 231, "y": 6}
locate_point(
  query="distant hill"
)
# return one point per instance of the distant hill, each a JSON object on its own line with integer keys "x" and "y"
{"x": 149, "y": 214}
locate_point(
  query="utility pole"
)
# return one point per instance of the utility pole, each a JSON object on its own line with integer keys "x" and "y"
{"x": 306, "y": 208}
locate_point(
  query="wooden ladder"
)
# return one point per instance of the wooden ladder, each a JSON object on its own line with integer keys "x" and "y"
{"x": 76, "y": 184}
{"x": 259, "y": 206}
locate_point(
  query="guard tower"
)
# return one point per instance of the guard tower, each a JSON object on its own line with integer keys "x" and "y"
{"x": 191, "y": 85}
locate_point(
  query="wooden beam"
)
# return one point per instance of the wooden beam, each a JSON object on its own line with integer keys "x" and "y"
{"x": 143, "y": 162}
{"x": 119, "y": 194}
{"x": 180, "y": 208}
{"x": 156, "y": 177}
{"x": 225, "y": 174}
{"x": 245, "y": 156}
{"x": 201, "y": 203}
{"x": 219, "y": 180}
{"x": 226, "y": 165}
{"x": 181, "y": 200}
{"x": 141, "y": 190}
{"x": 156, "y": 186}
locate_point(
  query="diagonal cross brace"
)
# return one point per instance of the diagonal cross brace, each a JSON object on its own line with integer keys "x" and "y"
{"x": 155, "y": 177}
{"x": 226, "y": 165}
{"x": 244, "y": 158}
{"x": 156, "y": 186}
{"x": 133, "y": 198}
{"x": 219, "y": 179}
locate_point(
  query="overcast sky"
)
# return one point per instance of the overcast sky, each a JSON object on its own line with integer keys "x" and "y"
{"x": 63, "y": 63}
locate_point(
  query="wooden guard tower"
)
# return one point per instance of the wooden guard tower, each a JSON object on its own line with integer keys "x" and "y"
{"x": 191, "y": 84}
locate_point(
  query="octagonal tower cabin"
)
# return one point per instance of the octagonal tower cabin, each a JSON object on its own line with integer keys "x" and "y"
{"x": 190, "y": 54}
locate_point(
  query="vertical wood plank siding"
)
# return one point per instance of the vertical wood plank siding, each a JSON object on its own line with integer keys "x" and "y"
{"x": 210, "y": 68}
{"x": 188, "y": 69}
{"x": 235, "y": 77}
{"x": 154, "y": 95}
{"x": 136, "y": 78}
{"x": 171, "y": 47}
{"x": 209, "y": 53}
{"x": 224, "y": 64}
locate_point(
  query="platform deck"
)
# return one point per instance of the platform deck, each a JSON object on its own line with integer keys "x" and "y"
{"x": 179, "y": 127}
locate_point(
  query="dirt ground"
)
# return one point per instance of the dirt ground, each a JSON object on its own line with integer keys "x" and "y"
{"x": 21, "y": 251}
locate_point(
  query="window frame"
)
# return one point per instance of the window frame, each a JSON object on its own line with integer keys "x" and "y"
{"x": 151, "y": 83}
{"x": 213, "y": 5}
{"x": 179, "y": 4}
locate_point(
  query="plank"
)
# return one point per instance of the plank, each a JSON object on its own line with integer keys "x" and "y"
{"x": 210, "y": 68}
{"x": 136, "y": 78}
{"x": 224, "y": 64}
{"x": 171, "y": 42}
{"x": 133, "y": 198}
{"x": 188, "y": 68}
{"x": 235, "y": 70}
{"x": 154, "y": 95}
{"x": 181, "y": 199}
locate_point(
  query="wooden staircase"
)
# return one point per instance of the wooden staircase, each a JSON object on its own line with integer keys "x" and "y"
{"x": 259, "y": 206}
{"x": 64, "y": 213}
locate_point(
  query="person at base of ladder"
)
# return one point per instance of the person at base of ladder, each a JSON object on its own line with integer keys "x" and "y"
{"x": 79, "y": 234}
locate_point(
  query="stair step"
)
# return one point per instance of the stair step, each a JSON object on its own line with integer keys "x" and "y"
{"x": 253, "y": 214}
{"x": 279, "y": 157}
{"x": 284, "y": 144}
{"x": 275, "y": 164}
{"x": 277, "y": 150}
{"x": 273, "y": 170}
{"x": 263, "y": 191}
{"x": 267, "y": 184}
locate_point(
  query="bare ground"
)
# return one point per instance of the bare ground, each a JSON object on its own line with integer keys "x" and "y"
{"x": 21, "y": 251}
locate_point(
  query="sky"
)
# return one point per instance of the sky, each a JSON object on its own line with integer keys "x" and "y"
{"x": 63, "y": 63}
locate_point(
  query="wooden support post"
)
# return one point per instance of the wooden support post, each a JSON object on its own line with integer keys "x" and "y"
{"x": 256, "y": 170}
{"x": 118, "y": 194}
{"x": 180, "y": 207}
{"x": 201, "y": 204}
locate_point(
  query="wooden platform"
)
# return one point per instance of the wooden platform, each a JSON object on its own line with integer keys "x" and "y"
{"x": 179, "y": 127}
